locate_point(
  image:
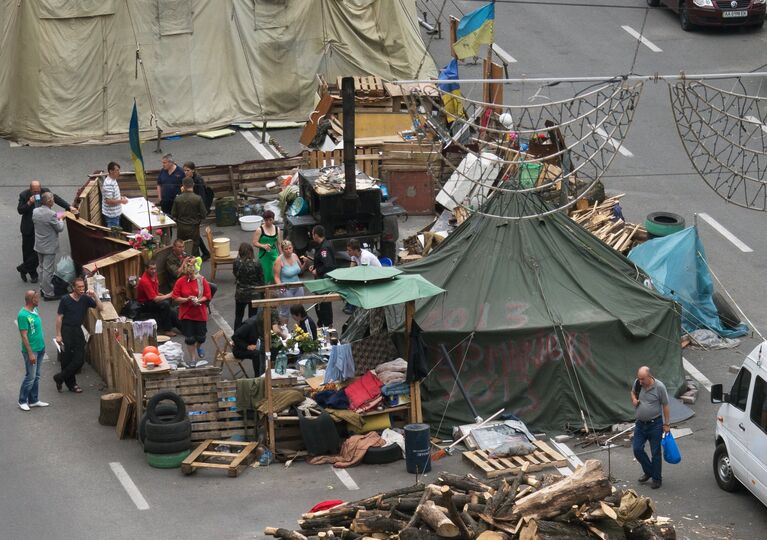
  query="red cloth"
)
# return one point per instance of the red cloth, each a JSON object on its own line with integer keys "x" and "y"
{"x": 364, "y": 393}
{"x": 148, "y": 288}
{"x": 184, "y": 288}
{"x": 325, "y": 505}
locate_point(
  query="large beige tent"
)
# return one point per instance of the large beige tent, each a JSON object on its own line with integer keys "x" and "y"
{"x": 68, "y": 69}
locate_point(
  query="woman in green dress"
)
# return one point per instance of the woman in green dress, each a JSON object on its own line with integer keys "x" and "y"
{"x": 267, "y": 239}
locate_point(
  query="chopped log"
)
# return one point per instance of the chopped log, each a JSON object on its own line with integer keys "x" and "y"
{"x": 524, "y": 493}
{"x": 474, "y": 508}
{"x": 463, "y": 483}
{"x": 588, "y": 483}
{"x": 452, "y": 512}
{"x": 406, "y": 505}
{"x": 339, "y": 515}
{"x": 500, "y": 525}
{"x": 376, "y": 521}
{"x": 417, "y": 534}
{"x": 428, "y": 491}
{"x": 647, "y": 530}
{"x": 536, "y": 529}
{"x": 532, "y": 481}
{"x": 109, "y": 410}
{"x": 471, "y": 523}
{"x": 599, "y": 511}
{"x": 500, "y": 495}
{"x": 607, "y": 529}
{"x": 493, "y": 535}
{"x": 437, "y": 520}
{"x": 285, "y": 534}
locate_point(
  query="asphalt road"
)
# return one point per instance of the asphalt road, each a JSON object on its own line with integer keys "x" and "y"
{"x": 55, "y": 474}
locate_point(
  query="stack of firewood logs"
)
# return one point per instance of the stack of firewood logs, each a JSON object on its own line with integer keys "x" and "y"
{"x": 528, "y": 507}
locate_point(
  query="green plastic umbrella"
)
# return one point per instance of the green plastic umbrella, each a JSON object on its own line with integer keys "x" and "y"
{"x": 395, "y": 290}
{"x": 365, "y": 274}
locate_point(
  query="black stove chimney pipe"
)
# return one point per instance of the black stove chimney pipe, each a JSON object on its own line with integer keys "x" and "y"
{"x": 350, "y": 169}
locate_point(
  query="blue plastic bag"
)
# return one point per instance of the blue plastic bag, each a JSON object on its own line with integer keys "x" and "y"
{"x": 671, "y": 451}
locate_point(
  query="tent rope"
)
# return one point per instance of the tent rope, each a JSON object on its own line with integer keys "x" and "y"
{"x": 470, "y": 337}
{"x": 140, "y": 62}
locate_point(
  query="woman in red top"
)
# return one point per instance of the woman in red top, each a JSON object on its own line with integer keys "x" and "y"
{"x": 192, "y": 292}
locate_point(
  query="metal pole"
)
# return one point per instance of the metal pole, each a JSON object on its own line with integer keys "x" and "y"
{"x": 679, "y": 77}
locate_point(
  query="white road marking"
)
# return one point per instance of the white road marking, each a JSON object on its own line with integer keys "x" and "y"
{"x": 697, "y": 375}
{"x": 612, "y": 142}
{"x": 344, "y": 476}
{"x": 133, "y": 492}
{"x": 724, "y": 232}
{"x": 256, "y": 143}
{"x": 646, "y": 42}
{"x": 14, "y": 144}
{"x": 755, "y": 120}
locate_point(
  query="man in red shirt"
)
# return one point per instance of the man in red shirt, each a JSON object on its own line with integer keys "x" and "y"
{"x": 192, "y": 293}
{"x": 157, "y": 305}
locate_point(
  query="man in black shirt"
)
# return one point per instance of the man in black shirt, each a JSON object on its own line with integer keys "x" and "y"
{"x": 71, "y": 315}
{"x": 29, "y": 199}
{"x": 324, "y": 262}
{"x": 247, "y": 335}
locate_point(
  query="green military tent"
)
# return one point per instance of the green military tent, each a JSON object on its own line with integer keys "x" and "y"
{"x": 541, "y": 318}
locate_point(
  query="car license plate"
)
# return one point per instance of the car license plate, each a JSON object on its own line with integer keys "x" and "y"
{"x": 730, "y": 14}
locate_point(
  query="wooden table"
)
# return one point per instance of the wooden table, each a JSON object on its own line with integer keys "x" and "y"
{"x": 136, "y": 213}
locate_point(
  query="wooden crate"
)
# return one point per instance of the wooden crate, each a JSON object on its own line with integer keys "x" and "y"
{"x": 209, "y": 401}
{"x": 116, "y": 270}
{"x": 542, "y": 458}
{"x": 109, "y": 352}
{"x": 368, "y": 159}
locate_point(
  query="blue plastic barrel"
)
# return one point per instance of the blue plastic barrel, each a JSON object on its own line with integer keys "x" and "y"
{"x": 417, "y": 448}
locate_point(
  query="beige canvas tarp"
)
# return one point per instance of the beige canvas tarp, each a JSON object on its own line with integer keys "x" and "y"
{"x": 68, "y": 69}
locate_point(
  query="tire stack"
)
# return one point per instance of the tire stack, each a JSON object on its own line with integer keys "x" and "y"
{"x": 165, "y": 431}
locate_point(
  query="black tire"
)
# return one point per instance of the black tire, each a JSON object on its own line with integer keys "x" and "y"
{"x": 382, "y": 454}
{"x": 151, "y": 407}
{"x": 684, "y": 17}
{"x": 663, "y": 223}
{"x": 154, "y": 447}
{"x": 727, "y": 313}
{"x": 722, "y": 470}
{"x": 166, "y": 461}
{"x": 168, "y": 432}
{"x": 653, "y": 3}
{"x": 166, "y": 412}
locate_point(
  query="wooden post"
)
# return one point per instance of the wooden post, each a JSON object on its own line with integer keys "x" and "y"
{"x": 268, "y": 376}
{"x": 416, "y": 415}
{"x": 453, "y": 38}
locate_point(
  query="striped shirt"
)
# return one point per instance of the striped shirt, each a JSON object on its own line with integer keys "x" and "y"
{"x": 110, "y": 190}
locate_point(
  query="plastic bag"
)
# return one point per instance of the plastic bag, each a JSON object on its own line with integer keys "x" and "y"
{"x": 671, "y": 451}
{"x": 65, "y": 268}
{"x": 173, "y": 352}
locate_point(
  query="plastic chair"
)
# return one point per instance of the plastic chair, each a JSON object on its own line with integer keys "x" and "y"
{"x": 385, "y": 261}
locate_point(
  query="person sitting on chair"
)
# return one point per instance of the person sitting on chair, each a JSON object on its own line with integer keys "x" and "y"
{"x": 154, "y": 304}
{"x": 304, "y": 322}
{"x": 245, "y": 340}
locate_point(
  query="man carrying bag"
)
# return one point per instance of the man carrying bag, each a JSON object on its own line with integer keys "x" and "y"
{"x": 650, "y": 399}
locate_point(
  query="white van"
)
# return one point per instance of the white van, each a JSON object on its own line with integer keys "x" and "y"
{"x": 740, "y": 457}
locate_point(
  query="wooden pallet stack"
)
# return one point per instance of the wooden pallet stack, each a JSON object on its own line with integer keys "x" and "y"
{"x": 529, "y": 507}
{"x": 598, "y": 220}
{"x": 209, "y": 401}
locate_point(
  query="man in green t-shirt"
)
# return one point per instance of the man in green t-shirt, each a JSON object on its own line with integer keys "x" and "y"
{"x": 32, "y": 350}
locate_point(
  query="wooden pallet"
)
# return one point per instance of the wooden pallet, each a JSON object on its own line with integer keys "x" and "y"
{"x": 205, "y": 456}
{"x": 542, "y": 458}
{"x": 367, "y": 86}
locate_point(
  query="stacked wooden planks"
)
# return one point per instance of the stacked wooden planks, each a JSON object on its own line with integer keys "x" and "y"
{"x": 599, "y": 220}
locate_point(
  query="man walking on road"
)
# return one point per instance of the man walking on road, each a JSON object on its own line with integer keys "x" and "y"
{"x": 29, "y": 199}
{"x": 650, "y": 399}
{"x": 71, "y": 315}
{"x": 47, "y": 229}
{"x": 32, "y": 350}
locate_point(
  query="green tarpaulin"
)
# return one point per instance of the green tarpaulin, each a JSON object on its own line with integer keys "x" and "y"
{"x": 360, "y": 292}
{"x": 542, "y": 319}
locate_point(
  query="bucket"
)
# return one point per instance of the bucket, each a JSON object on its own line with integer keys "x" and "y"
{"x": 221, "y": 247}
{"x": 417, "y": 448}
{"x": 250, "y": 223}
{"x": 226, "y": 212}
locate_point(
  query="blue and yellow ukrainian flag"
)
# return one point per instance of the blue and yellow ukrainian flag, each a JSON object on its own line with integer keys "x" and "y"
{"x": 475, "y": 29}
{"x": 135, "y": 151}
{"x": 451, "y": 96}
